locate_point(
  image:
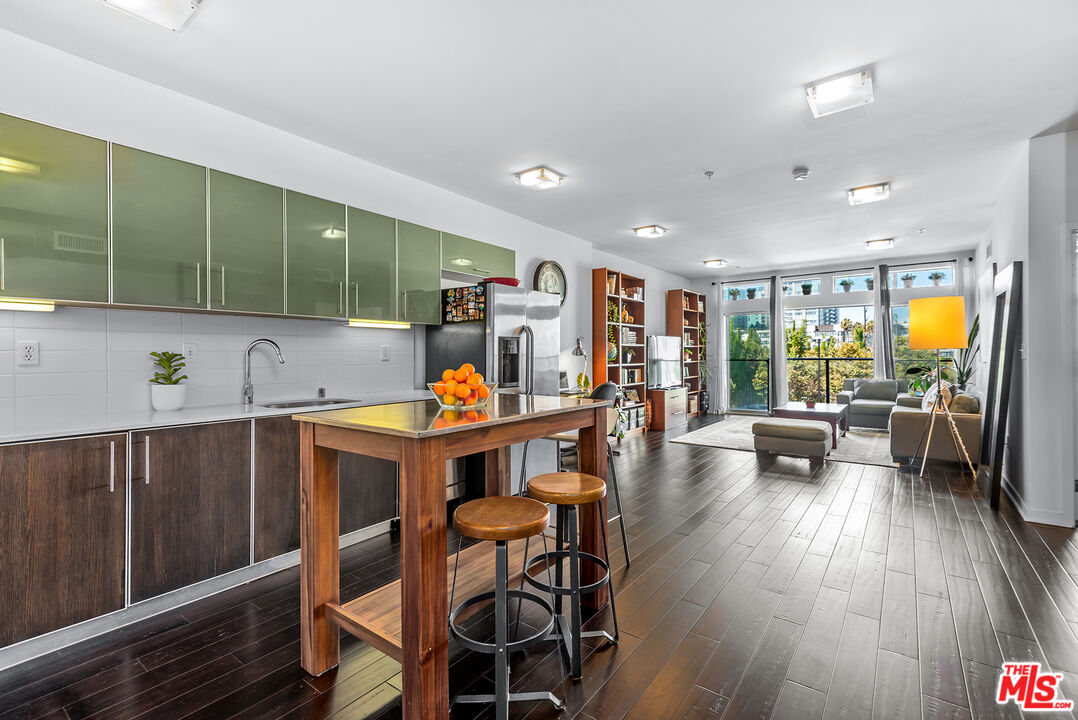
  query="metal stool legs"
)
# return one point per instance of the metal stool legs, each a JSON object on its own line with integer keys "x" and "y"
{"x": 617, "y": 501}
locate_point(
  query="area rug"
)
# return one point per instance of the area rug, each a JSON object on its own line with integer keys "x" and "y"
{"x": 864, "y": 446}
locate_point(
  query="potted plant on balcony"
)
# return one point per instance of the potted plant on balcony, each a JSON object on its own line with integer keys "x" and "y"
{"x": 907, "y": 280}
{"x": 750, "y": 293}
{"x": 870, "y": 283}
{"x": 786, "y": 288}
{"x": 806, "y": 288}
{"x": 935, "y": 277}
{"x": 166, "y": 389}
{"x": 846, "y": 284}
{"x": 734, "y": 293}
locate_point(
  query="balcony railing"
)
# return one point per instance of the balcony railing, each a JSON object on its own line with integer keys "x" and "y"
{"x": 821, "y": 378}
{"x": 749, "y": 381}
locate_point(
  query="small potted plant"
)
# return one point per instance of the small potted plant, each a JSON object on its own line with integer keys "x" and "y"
{"x": 734, "y": 293}
{"x": 846, "y": 284}
{"x": 870, "y": 283}
{"x": 806, "y": 288}
{"x": 935, "y": 277}
{"x": 786, "y": 288}
{"x": 166, "y": 389}
{"x": 750, "y": 293}
{"x": 907, "y": 280}
{"x": 810, "y": 402}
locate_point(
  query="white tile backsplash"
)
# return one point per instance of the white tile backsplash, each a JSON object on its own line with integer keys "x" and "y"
{"x": 97, "y": 360}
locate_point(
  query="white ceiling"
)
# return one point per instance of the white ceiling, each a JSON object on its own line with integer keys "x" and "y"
{"x": 633, "y": 100}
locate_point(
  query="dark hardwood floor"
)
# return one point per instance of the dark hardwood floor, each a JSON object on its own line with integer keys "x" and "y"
{"x": 755, "y": 591}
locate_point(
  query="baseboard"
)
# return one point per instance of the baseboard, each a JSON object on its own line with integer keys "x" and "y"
{"x": 1044, "y": 517}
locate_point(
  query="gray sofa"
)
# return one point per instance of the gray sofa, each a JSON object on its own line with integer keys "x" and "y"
{"x": 872, "y": 400}
{"x": 908, "y": 430}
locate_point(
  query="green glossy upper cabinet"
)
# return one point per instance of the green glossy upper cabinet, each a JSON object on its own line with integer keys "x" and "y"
{"x": 53, "y": 213}
{"x": 419, "y": 277}
{"x": 372, "y": 266}
{"x": 158, "y": 230}
{"x": 464, "y": 255}
{"x": 246, "y": 245}
{"x": 315, "y": 238}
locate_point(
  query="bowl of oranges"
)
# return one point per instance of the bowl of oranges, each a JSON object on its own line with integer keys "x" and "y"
{"x": 462, "y": 389}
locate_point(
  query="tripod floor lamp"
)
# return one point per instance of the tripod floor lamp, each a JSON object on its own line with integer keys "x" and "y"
{"x": 939, "y": 323}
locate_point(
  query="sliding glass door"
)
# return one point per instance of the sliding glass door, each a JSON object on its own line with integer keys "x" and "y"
{"x": 824, "y": 347}
{"x": 748, "y": 349}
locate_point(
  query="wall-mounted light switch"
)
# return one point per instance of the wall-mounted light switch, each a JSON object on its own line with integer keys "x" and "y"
{"x": 385, "y": 353}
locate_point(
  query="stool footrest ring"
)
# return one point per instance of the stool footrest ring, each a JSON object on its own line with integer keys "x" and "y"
{"x": 559, "y": 704}
{"x": 563, "y": 590}
{"x": 490, "y": 648}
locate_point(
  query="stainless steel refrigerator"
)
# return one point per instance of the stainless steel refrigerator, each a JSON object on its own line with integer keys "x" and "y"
{"x": 512, "y": 336}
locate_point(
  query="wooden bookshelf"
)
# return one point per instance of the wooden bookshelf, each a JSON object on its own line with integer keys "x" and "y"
{"x": 686, "y": 312}
{"x": 618, "y": 317}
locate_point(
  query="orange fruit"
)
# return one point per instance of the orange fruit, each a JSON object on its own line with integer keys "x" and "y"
{"x": 450, "y": 385}
{"x": 463, "y": 391}
{"x": 470, "y": 400}
{"x": 474, "y": 379}
{"x": 468, "y": 368}
{"x": 447, "y": 375}
{"x": 439, "y": 388}
{"x": 450, "y": 399}
{"x": 483, "y": 391}
{"x": 460, "y": 376}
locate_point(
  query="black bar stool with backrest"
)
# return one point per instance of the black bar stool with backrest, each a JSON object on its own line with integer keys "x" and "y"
{"x": 501, "y": 519}
{"x": 603, "y": 391}
{"x": 566, "y": 491}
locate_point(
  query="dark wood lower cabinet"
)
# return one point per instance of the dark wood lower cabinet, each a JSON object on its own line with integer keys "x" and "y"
{"x": 368, "y": 488}
{"x": 62, "y": 526}
{"x": 190, "y": 505}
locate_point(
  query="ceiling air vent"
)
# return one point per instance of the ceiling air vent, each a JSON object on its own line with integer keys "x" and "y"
{"x": 85, "y": 244}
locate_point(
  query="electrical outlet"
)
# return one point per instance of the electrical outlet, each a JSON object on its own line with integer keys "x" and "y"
{"x": 385, "y": 353}
{"x": 189, "y": 352}
{"x": 28, "y": 352}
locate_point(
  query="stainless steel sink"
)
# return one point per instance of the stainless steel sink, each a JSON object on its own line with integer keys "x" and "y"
{"x": 313, "y": 402}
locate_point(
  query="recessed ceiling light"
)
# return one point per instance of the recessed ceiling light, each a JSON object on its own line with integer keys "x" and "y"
{"x": 883, "y": 244}
{"x": 842, "y": 93}
{"x": 539, "y": 178}
{"x": 171, "y": 14}
{"x": 801, "y": 173}
{"x": 869, "y": 193}
{"x": 715, "y": 263}
{"x": 650, "y": 231}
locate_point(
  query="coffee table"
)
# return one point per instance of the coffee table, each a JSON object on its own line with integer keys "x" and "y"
{"x": 834, "y": 413}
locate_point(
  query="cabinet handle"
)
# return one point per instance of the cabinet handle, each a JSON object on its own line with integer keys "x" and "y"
{"x": 146, "y": 467}
{"x": 3, "y": 264}
{"x": 356, "y": 306}
{"x": 112, "y": 466}
{"x": 198, "y": 283}
{"x": 340, "y": 298}
{"x": 222, "y": 286}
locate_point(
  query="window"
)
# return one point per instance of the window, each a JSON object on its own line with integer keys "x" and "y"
{"x": 732, "y": 292}
{"x": 796, "y": 286}
{"x": 824, "y": 347}
{"x": 857, "y": 282}
{"x": 748, "y": 350}
{"x": 923, "y": 276}
{"x": 905, "y": 358}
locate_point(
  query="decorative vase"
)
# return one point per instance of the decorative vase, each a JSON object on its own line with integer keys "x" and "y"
{"x": 611, "y": 351}
{"x": 167, "y": 397}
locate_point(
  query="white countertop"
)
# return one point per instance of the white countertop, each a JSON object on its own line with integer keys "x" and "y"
{"x": 99, "y": 424}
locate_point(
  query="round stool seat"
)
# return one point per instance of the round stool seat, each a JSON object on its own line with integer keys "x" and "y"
{"x": 566, "y": 488}
{"x": 501, "y": 518}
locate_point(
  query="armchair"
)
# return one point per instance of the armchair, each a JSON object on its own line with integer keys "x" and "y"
{"x": 871, "y": 400}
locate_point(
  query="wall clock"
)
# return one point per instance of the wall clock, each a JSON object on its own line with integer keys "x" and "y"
{"x": 549, "y": 277}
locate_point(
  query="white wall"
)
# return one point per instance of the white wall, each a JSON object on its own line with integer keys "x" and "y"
{"x": 1036, "y": 208}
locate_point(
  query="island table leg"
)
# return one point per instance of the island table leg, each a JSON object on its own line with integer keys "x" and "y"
{"x": 319, "y": 519}
{"x": 592, "y": 450}
{"x": 424, "y": 602}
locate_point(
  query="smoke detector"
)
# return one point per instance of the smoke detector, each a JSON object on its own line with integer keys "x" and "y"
{"x": 801, "y": 173}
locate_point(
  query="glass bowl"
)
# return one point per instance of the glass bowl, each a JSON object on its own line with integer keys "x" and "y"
{"x": 472, "y": 401}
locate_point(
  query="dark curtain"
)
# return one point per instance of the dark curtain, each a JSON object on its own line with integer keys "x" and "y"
{"x": 883, "y": 324}
{"x": 778, "y": 345}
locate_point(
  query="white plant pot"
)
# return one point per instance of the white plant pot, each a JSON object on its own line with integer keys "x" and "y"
{"x": 846, "y": 288}
{"x": 907, "y": 283}
{"x": 167, "y": 397}
{"x": 936, "y": 282}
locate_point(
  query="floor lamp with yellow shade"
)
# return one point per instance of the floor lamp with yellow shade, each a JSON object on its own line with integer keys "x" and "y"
{"x": 939, "y": 323}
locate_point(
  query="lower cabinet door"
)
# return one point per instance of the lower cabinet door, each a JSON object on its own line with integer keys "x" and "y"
{"x": 190, "y": 505}
{"x": 368, "y": 488}
{"x": 62, "y": 524}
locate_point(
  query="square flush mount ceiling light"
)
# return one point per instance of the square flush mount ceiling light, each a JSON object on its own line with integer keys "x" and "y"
{"x": 869, "y": 193}
{"x": 172, "y": 14}
{"x": 715, "y": 263}
{"x": 650, "y": 231}
{"x": 842, "y": 93}
{"x": 539, "y": 178}
{"x": 884, "y": 244}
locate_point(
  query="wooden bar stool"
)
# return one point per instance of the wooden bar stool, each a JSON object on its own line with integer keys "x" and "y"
{"x": 501, "y": 519}
{"x": 567, "y": 490}
{"x": 604, "y": 391}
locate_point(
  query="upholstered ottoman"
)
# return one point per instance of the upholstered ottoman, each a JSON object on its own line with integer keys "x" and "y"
{"x": 792, "y": 437}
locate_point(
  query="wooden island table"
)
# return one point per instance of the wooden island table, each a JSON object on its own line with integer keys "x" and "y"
{"x": 408, "y": 619}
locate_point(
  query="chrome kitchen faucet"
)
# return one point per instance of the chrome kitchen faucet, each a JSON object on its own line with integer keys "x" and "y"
{"x": 248, "y": 386}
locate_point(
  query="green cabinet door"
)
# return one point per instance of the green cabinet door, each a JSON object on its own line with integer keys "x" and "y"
{"x": 315, "y": 241}
{"x": 372, "y": 266}
{"x": 419, "y": 276}
{"x": 158, "y": 230}
{"x": 472, "y": 257}
{"x": 246, "y": 245}
{"x": 53, "y": 213}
